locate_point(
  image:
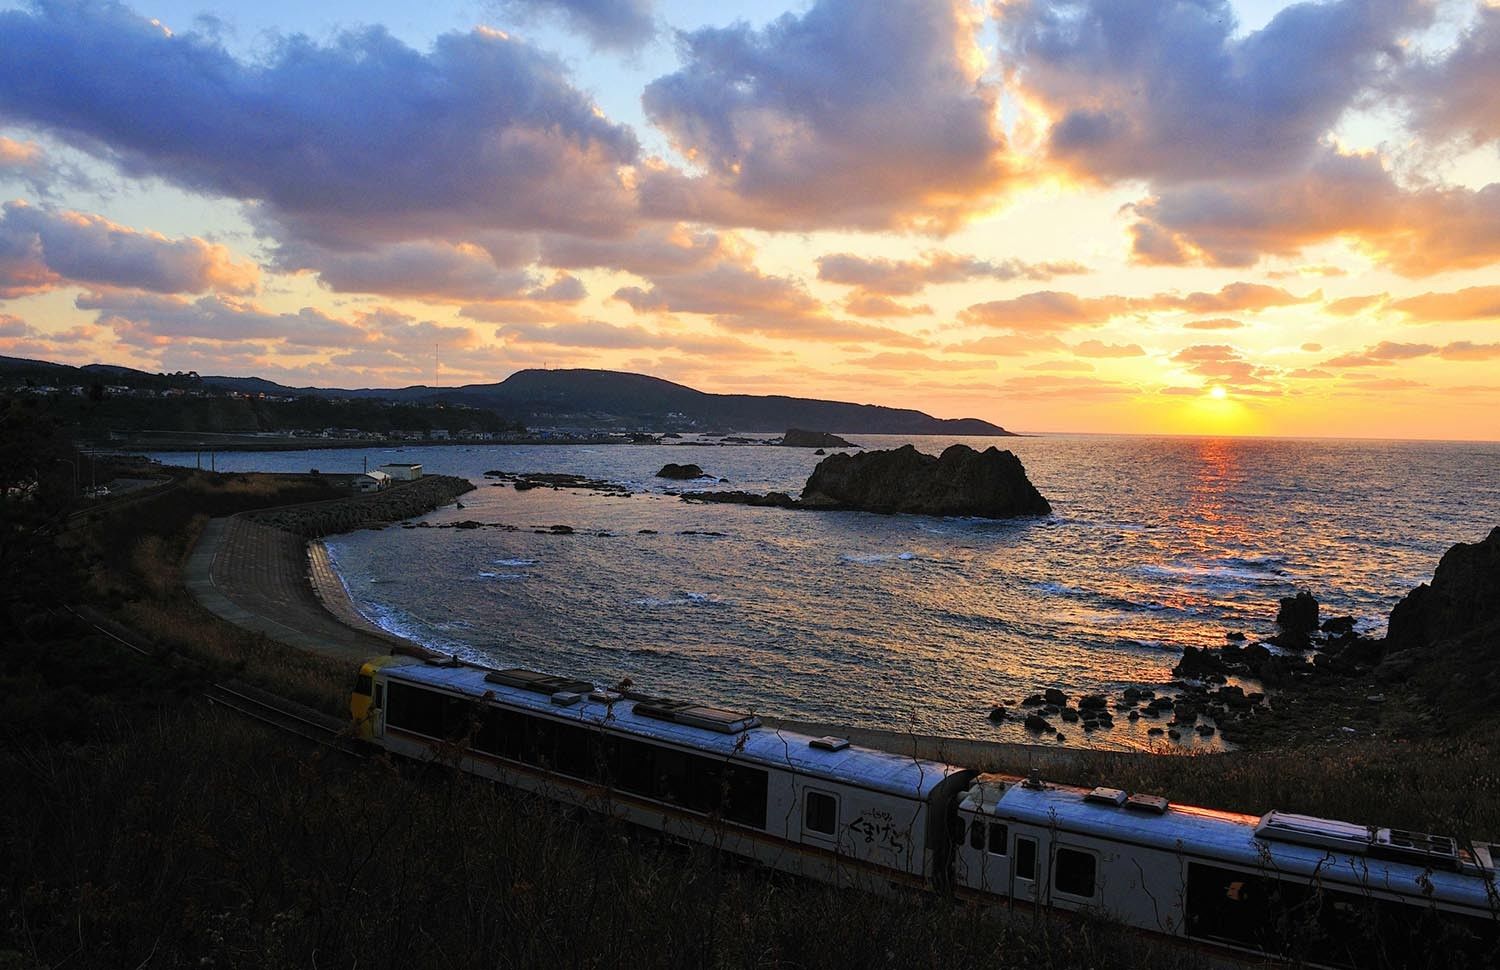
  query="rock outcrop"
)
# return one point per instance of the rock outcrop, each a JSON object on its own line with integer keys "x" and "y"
{"x": 1298, "y": 619}
{"x": 1445, "y": 637}
{"x": 1463, "y": 598}
{"x": 797, "y": 438}
{"x": 990, "y": 484}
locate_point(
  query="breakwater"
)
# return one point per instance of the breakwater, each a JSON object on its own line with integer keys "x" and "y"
{"x": 403, "y": 501}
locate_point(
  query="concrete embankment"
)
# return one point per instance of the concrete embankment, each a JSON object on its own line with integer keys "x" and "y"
{"x": 258, "y": 570}
{"x": 404, "y": 501}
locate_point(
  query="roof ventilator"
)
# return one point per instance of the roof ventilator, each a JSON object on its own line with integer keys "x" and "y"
{"x": 829, "y": 743}
{"x": 538, "y": 683}
{"x": 1113, "y": 797}
{"x": 696, "y": 715}
{"x": 1395, "y": 844}
{"x": 1152, "y": 804}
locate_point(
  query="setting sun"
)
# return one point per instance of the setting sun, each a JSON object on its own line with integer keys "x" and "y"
{"x": 1218, "y": 393}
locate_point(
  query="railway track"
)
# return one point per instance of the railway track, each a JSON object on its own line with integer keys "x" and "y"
{"x": 242, "y": 699}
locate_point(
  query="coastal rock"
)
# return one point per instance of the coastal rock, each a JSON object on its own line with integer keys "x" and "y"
{"x": 798, "y": 438}
{"x": 779, "y": 500}
{"x": 1298, "y": 619}
{"x": 997, "y": 713}
{"x": 679, "y": 472}
{"x": 1464, "y": 597}
{"x": 1445, "y": 637}
{"x": 1035, "y": 722}
{"x": 1055, "y": 696}
{"x": 1199, "y": 664}
{"x": 989, "y": 484}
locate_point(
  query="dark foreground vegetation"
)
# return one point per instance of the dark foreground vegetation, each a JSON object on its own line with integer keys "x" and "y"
{"x": 142, "y": 827}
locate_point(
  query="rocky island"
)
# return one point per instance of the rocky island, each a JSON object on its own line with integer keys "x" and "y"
{"x": 797, "y": 438}
{"x": 991, "y": 484}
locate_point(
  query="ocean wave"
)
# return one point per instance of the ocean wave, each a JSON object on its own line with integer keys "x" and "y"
{"x": 502, "y": 575}
{"x": 871, "y": 558}
{"x": 1219, "y": 574}
{"x": 515, "y": 563}
{"x": 681, "y": 599}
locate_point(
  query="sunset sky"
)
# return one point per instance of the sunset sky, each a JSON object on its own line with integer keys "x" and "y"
{"x": 1064, "y": 215}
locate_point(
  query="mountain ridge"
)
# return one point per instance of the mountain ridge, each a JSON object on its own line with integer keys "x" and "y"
{"x": 597, "y": 398}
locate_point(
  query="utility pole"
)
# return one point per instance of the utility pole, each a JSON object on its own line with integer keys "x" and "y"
{"x": 434, "y": 365}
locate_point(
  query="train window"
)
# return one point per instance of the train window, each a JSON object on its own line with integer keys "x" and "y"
{"x": 1074, "y": 872}
{"x": 1025, "y": 859}
{"x": 999, "y": 837}
{"x": 820, "y": 812}
{"x": 745, "y": 790}
{"x": 362, "y": 685}
{"x": 379, "y": 695}
{"x": 976, "y": 834}
{"x": 417, "y": 710}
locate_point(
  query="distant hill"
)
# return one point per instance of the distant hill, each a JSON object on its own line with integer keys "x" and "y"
{"x": 597, "y": 398}
{"x": 572, "y": 398}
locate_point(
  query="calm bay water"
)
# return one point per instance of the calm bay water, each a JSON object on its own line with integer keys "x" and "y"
{"x": 909, "y": 622}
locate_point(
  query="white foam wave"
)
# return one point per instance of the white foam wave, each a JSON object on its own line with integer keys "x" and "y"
{"x": 681, "y": 599}
{"x": 515, "y": 563}
{"x": 502, "y": 575}
{"x": 871, "y": 558}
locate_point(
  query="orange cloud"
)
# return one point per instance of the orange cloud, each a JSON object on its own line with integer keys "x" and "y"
{"x": 1096, "y": 348}
{"x": 1051, "y": 310}
{"x": 1350, "y": 305}
{"x": 875, "y": 305}
{"x": 1217, "y": 323}
{"x": 1471, "y": 303}
{"x": 902, "y": 277}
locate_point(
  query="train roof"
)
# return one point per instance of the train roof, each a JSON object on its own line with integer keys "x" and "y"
{"x": 1229, "y": 837}
{"x": 835, "y": 762}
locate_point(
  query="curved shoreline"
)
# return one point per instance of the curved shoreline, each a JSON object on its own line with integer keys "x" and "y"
{"x": 275, "y": 583}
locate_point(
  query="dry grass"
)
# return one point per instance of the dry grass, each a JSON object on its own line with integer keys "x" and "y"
{"x": 202, "y": 841}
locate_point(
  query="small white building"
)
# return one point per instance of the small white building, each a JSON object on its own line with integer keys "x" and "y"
{"x": 402, "y": 472}
{"x": 371, "y": 481}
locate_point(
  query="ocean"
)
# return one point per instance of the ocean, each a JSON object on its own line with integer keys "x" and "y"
{"x": 908, "y": 623}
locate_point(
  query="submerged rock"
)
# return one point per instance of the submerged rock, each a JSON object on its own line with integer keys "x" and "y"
{"x": 679, "y": 472}
{"x": 989, "y": 484}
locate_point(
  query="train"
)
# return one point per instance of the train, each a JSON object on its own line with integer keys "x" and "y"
{"x": 1319, "y": 891}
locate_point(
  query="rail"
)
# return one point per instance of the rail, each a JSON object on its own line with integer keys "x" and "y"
{"x": 243, "y": 699}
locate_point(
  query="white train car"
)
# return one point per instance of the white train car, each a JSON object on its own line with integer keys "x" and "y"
{"x": 813, "y": 806}
{"x": 1319, "y": 891}
{"x": 1316, "y": 891}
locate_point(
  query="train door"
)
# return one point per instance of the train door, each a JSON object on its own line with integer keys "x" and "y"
{"x": 1026, "y": 869}
{"x": 985, "y": 854}
{"x": 377, "y": 709}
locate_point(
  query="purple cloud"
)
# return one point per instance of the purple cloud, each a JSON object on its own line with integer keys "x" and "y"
{"x": 608, "y": 24}
{"x": 360, "y": 138}
{"x": 853, "y": 114}
{"x": 42, "y": 249}
{"x": 1165, "y": 90}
